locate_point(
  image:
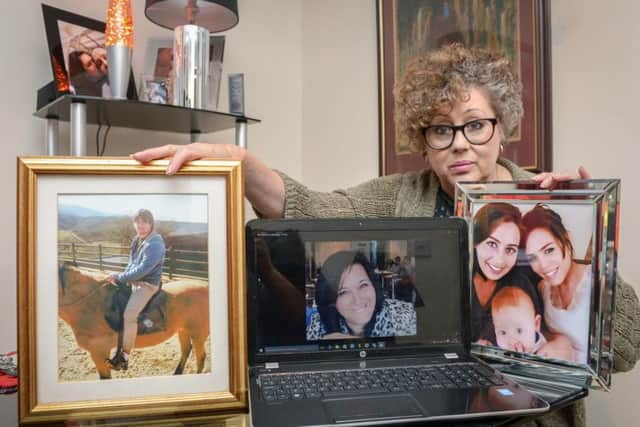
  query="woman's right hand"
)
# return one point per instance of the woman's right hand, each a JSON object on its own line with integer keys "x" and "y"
{"x": 264, "y": 188}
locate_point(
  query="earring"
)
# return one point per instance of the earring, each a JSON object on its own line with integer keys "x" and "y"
{"x": 501, "y": 148}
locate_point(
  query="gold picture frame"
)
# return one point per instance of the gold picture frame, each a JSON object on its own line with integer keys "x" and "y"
{"x": 43, "y": 184}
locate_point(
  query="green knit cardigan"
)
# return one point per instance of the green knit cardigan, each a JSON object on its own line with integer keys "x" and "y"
{"x": 413, "y": 194}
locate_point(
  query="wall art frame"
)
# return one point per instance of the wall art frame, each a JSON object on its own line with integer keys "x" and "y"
{"x": 408, "y": 29}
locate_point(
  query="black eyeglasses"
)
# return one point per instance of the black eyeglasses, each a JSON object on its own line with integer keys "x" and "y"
{"x": 477, "y": 132}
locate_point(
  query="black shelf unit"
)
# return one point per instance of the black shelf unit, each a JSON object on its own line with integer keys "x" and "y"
{"x": 142, "y": 115}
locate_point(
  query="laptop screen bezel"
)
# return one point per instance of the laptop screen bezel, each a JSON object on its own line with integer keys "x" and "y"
{"x": 258, "y": 226}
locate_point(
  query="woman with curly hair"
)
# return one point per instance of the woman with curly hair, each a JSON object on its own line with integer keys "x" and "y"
{"x": 457, "y": 105}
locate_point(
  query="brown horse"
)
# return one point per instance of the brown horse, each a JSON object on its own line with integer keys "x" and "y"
{"x": 81, "y": 299}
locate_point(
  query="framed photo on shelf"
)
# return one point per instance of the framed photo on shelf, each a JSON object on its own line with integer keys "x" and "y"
{"x": 76, "y": 228}
{"x": 78, "y": 54}
{"x": 517, "y": 27}
{"x": 544, "y": 271}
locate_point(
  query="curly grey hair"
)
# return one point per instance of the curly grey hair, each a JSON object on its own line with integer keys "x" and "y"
{"x": 444, "y": 76}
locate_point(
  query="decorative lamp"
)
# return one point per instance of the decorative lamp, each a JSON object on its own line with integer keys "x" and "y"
{"x": 192, "y": 22}
{"x": 119, "y": 43}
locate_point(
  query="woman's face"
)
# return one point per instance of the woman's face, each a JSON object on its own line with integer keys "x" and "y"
{"x": 143, "y": 228}
{"x": 356, "y": 297}
{"x": 88, "y": 65}
{"x": 463, "y": 161}
{"x": 497, "y": 253}
{"x": 546, "y": 256}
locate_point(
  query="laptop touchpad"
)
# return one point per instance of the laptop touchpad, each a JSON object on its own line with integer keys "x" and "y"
{"x": 351, "y": 409}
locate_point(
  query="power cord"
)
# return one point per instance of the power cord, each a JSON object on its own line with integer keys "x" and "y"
{"x": 99, "y": 150}
{"x": 98, "y": 139}
{"x": 104, "y": 140}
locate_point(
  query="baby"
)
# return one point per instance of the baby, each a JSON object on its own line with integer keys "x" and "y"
{"x": 516, "y": 323}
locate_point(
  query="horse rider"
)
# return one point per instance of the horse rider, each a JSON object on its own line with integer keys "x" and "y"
{"x": 143, "y": 274}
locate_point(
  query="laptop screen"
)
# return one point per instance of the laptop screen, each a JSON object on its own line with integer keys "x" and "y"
{"x": 342, "y": 286}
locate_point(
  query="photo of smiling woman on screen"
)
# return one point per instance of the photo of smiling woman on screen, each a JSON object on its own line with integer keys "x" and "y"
{"x": 351, "y": 302}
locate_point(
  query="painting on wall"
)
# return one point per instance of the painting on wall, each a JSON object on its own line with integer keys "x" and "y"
{"x": 408, "y": 29}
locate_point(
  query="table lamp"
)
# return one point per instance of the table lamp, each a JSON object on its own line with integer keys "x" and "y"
{"x": 192, "y": 22}
{"x": 119, "y": 43}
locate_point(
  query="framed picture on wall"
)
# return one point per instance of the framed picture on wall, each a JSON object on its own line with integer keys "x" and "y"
{"x": 519, "y": 28}
{"x": 543, "y": 271}
{"x": 87, "y": 223}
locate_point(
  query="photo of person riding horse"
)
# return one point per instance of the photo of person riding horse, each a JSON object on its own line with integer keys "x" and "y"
{"x": 133, "y": 295}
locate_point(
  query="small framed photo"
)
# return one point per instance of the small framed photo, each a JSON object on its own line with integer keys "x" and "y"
{"x": 130, "y": 289}
{"x": 78, "y": 54}
{"x": 544, "y": 271}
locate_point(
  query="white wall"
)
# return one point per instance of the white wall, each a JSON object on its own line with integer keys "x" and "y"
{"x": 311, "y": 76}
{"x": 339, "y": 93}
{"x": 595, "y": 104}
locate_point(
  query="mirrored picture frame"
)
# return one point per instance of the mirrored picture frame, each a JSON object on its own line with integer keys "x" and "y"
{"x": 543, "y": 275}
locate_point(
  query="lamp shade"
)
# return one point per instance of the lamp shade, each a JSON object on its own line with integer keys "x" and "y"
{"x": 214, "y": 15}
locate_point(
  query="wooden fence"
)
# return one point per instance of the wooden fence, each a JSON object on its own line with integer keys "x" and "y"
{"x": 177, "y": 263}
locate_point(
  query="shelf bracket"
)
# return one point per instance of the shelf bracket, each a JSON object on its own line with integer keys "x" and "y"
{"x": 78, "y": 129}
{"x": 52, "y": 136}
{"x": 241, "y": 133}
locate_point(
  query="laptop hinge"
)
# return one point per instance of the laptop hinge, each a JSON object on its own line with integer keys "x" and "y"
{"x": 272, "y": 365}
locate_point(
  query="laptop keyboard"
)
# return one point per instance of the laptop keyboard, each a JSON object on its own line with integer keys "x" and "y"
{"x": 339, "y": 383}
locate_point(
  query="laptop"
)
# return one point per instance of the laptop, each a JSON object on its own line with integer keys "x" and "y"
{"x": 365, "y": 322}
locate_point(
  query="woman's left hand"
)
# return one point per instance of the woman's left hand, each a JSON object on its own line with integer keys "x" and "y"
{"x": 558, "y": 347}
{"x": 551, "y": 179}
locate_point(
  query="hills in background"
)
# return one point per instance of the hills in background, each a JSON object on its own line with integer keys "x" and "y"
{"x": 88, "y": 225}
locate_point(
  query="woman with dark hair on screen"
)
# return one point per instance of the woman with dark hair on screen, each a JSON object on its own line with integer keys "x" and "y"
{"x": 565, "y": 284}
{"x": 351, "y": 303}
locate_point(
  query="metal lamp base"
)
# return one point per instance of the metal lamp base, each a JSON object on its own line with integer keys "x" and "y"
{"x": 119, "y": 62}
{"x": 191, "y": 66}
